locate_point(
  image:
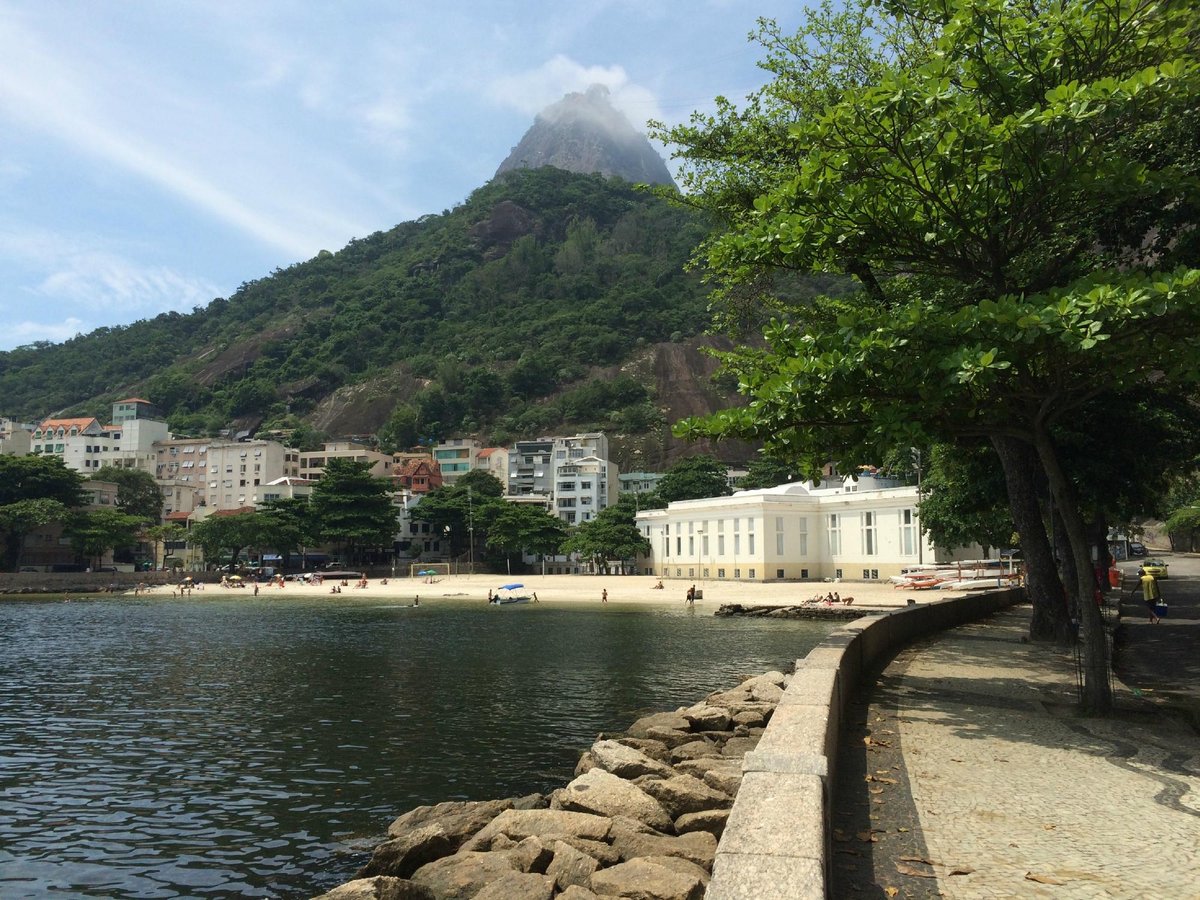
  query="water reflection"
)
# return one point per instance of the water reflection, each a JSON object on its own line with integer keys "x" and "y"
{"x": 225, "y": 748}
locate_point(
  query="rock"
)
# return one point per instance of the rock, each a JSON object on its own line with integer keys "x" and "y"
{"x": 672, "y": 737}
{"x": 575, "y": 892}
{"x": 710, "y": 820}
{"x": 654, "y": 749}
{"x": 587, "y": 762}
{"x": 413, "y": 848}
{"x": 570, "y": 866}
{"x": 456, "y": 816}
{"x": 719, "y": 772}
{"x": 626, "y": 762}
{"x": 704, "y": 717}
{"x": 547, "y": 824}
{"x": 643, "y": 879}
{"x": 604, "y": 794}
{"x": 694, "y": 750}
{"x": 684, "y": 794}
{"x": 531, "y": 801}
{"x": 531, "y": 855}
{"x": 682, "y": 866}
{"x": 699, "y": 847}
{"x": 739, "y": 746}
{"x": 665, "y": 721}
{"x": 597, "y": 850}
{"x": 501, "y": 842}
{"x": 463, "y": 875}
{"x": 518, "y": 886}
{"x": 381, "y": 887}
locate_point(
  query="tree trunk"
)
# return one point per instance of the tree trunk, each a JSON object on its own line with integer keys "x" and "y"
{"x": 1050, "y": 620}
{"x": 1097, "y": 691}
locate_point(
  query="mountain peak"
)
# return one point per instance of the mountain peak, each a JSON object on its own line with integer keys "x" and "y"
{"x": 585, "y": 133}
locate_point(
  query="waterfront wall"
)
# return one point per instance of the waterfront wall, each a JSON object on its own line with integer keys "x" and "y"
{"x": 777, "y": 841}
{"x": 78, "y": 582}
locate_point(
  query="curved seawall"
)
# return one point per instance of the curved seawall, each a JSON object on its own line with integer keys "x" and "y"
{"x": 776, "y": 843}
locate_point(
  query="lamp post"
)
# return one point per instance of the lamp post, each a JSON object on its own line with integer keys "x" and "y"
{"x": 471, "y": 528}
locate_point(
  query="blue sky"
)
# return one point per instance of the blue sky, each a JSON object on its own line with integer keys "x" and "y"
{"x": 158, "y": 153}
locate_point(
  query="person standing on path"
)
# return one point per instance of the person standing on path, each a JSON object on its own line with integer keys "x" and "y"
{"x": 1151, "y": 595}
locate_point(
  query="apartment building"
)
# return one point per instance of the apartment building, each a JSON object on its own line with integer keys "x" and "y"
{"x": 86, "y": 445}
{"x": 15, "y": 439}
{"x": 202, "y": 472}
{"x": 313, "y": 462}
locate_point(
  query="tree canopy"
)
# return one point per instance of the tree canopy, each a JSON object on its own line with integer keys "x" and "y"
{"x": 1007, "y": 185}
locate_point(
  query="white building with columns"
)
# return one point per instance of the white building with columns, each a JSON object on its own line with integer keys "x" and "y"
{"x": 864, "y": 530}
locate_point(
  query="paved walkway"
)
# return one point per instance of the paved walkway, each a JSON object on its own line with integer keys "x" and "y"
{"x": 968, "y": 773}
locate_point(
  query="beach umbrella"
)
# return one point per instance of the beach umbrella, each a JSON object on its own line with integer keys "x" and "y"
{"x": 511, "y": 587}
{"x": 235, "y": 577}
{"x": 426, "y": 572}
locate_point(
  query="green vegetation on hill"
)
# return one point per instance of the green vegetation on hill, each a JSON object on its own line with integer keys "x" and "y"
{"x": 466, "y": 321}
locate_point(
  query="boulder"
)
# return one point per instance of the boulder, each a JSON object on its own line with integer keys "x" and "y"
{"x": 672, "y": 737}
{"x": 750, "y": 716}
{"x": 666, "y": 721}
{"x": 719, "y": 772}
{"x": 604, "y": 794}
{"x": 737, "y": 747}
{"x": 570, "y": 866}
{"x": 681, "y": 865}
{"x": 381, "y": 887}
{"x": 575, "y": 892}
{"x": 710, "y": 820}
{"x": 600, "y": 851}
{"x": 518, "y": 886}
{"x": 456, "y": 817}
{"x": 654, "y": 749}
{"x": 644, "y": 879}
{"x": 547, "y": 824}
{"x": 625, "y": 762}
{"x": 704, "y": 717}
{"x": 531, "y": 855}
{"x": 463, "y": 875}
{"x": 413, "y": 848}
{"x": 694, "y": 750}
{"x": 699, "y": 847}
{"x": 531, "y": 801}
{"x": 683, "y": 794}
{"x": 586, "y": 763}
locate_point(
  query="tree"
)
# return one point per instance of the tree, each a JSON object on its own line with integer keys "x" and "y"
{"x": 612, "y": 534}
{"x": 1019, "y": 242}
{"x": 164, "y": 534}
{"x": 964, "y": 497}
{"x": 692, "y": 478}
{"x": 223, "y": 534}
{"x": 767, "y": 473}
{"x": 34, "y": 491}
{"x": 94, "y": 532}
{"x": 285, "y": 526}
{"x": 514, "y": 528}
{"x": 138, "y": 494}
{"x": 352, "y": 508}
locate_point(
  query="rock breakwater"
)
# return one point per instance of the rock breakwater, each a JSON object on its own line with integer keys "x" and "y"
{"x": 795, "y": 612}
{"x": 641, "y": 819}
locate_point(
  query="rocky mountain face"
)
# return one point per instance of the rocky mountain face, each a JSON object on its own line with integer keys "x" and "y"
{"x": 584, "y": 133}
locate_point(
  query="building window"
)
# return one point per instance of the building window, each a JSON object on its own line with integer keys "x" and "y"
{"x": 804, "y": 573}
{"x": 750, "y": 574}
{"x": 802, "y": 538}
{"x": 870, "y": 540}
{"x": 779, "y": 544}
{"x": 750, "y": 545}
{"x": 779, "y": 573}
{"x": 835, "y": 535}
{"x": 837, "y": 573}
{"x": 908, "y": 532}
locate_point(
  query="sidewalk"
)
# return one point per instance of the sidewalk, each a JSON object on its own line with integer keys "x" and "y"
{"x": 966, "y": 772}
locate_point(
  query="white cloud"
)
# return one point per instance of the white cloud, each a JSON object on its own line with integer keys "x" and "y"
{"x": 531, "y": 91}
{"x": 27, "y": 332}
{"x": 103, "y": 280}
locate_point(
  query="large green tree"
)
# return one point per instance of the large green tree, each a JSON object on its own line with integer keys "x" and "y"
{"x": 1019, "y": 242}
{"x": 611, "y": 535}
{"x": 693, "y": 478}
{"x": 93, "y": 532}
{"x": 353, "y": 509}
{"x": 515, "y": 528}
{"x": 34, "y": 491}
{"x": 222, "y": 535}
{"x": 138, "y": 494}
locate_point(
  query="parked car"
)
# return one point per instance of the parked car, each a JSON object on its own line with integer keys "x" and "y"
{"x": 1136, "y": 549}
{"x": 1155, "y": 567}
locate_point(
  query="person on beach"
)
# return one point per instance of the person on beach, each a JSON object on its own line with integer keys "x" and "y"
{"x": 604, "y": 596}
{"x": 1151, "y": 595}
{"x": 691, "y": 594}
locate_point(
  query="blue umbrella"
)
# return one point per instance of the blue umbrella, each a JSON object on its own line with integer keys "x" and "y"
{"x": 427, "y": 572}
{"x": 511, "y": 587}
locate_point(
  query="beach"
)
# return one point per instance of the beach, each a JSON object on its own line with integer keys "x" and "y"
{"x": 588, "y": 589}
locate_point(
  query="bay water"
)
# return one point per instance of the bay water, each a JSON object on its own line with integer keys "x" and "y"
{"x": 160, "y": 748}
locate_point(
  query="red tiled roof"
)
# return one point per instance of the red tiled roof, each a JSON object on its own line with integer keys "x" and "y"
{"x": 241, "y": 510}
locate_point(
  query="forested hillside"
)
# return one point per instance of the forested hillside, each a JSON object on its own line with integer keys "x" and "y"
{"x": 505, "y": 317}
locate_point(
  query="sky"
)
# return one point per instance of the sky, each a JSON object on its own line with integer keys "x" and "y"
{"x": 156, "y": 154}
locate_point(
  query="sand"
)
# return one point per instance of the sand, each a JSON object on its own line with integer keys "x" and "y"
{"x": 581, "y": 589}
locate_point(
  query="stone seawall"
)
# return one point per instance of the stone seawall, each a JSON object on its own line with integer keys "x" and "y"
{"x": 70, "y": 583}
